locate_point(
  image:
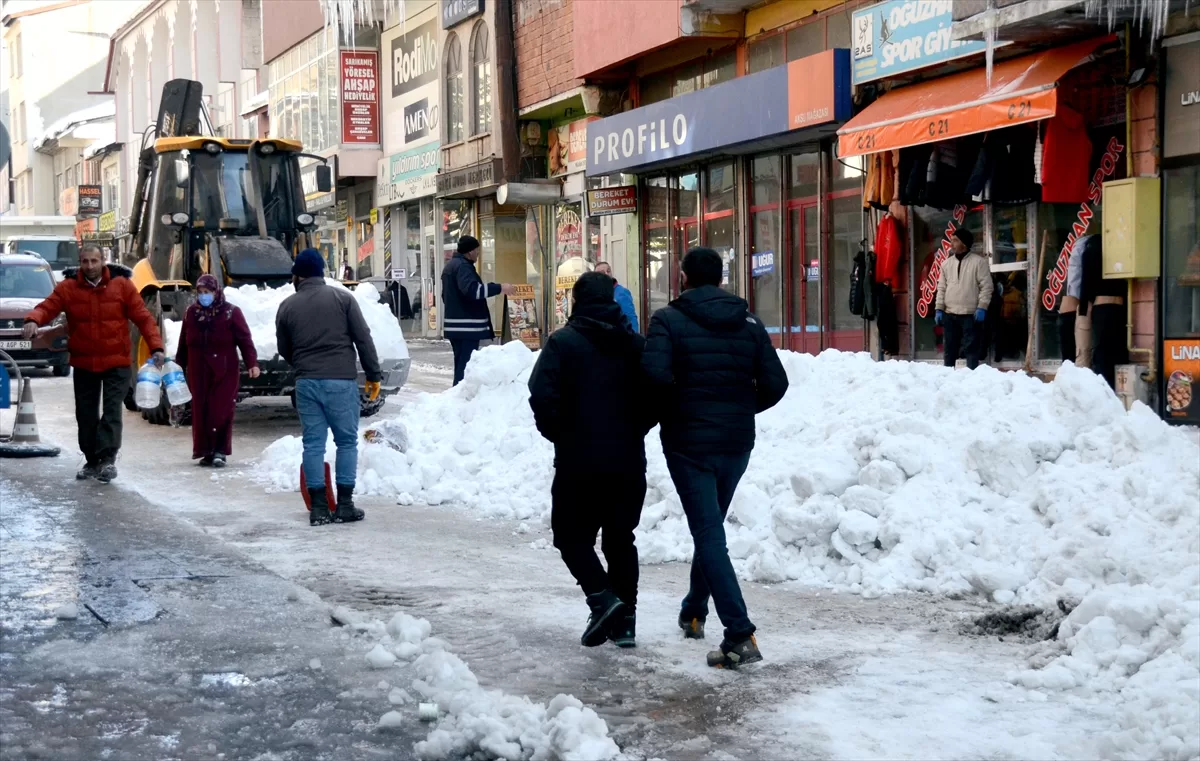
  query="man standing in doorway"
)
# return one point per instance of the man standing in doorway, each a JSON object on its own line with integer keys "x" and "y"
{"x": 320, "y": 330}
{"x": 963, "y": 294}
{"x": 712, "y": 369}
{"x": 99, "y": 302}
{"x": 621, "y": 295}
{"x": 467, "y": 320}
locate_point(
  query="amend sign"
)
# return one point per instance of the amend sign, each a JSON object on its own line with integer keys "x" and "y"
{"x": 414, "y": 58}
{"x": 804, "y": 93}
{"x": 420, "y": 119}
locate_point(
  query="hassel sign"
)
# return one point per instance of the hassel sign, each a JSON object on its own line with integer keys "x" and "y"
{"x": 805, "y": 93}
{"x": 904, "y": 35}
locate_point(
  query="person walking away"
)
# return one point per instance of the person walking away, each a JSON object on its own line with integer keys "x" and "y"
{"x": 1103, "y": 300}
{"x": 963, "y": 294}
{"x": 467, "y": 319}
{"x": 213, "y": 333}
{"x": 319, "y": 329}
{"x": 99, "y": 302}
{"x": 587, "y": 392}
{"x": 621, "y": 295}
{"x": 712, "y": 368}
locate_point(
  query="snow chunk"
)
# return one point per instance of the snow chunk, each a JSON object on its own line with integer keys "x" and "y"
{"x": 380, "y": 658}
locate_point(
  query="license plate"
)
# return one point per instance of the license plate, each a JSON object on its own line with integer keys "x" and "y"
{"x": 16, "y": 345}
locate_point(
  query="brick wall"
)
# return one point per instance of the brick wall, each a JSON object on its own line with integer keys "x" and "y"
{"x": 544, "y": 33}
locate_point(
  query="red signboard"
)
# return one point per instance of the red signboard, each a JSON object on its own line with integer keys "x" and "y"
{"x": 360, "y": 96}
{"x": 616, "y": 200}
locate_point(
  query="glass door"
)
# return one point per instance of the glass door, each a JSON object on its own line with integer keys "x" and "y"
{"x": 804, "y": 330}
{"x": 685, "y": 221}
{"x": 720, "y": 221}
{"x": 766, "y": 255}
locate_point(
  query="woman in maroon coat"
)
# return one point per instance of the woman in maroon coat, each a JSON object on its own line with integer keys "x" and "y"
{"x": 213, "y": 332}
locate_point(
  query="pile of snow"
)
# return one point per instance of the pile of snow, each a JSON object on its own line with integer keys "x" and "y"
{"x": 878, "y": 478}
{"x": 473, "y": 722}
{"x": 260, "y": 305}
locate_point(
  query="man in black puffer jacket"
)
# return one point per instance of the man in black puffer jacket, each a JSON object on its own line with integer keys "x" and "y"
{"x": 588, "y": 397}
{"x": 712, "y": 368}
{"x": 466, "y": 320}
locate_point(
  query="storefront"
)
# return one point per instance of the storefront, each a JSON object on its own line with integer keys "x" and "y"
{"x": 1020, "y": 162}
{"x": 761, "y": 188}
{"x": 1180, "y": 368}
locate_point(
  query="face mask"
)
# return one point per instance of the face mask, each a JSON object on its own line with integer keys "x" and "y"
{"x": 205, "y": 299}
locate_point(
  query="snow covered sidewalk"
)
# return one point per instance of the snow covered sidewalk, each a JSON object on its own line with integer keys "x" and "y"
{"x": 878, "y": 478}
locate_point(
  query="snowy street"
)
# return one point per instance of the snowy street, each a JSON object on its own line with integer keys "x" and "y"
{"x": 216, "y": 597}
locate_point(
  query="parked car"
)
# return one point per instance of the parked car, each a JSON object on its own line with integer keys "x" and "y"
{"x": 26, "y": 279}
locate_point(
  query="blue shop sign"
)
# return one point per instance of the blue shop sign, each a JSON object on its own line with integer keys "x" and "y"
{"x": 804, "y": 93}
{"x": 898, "y": 36}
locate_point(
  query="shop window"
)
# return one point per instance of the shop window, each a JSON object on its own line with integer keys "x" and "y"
{"x": 302, "y": 88}
{"x": 455, "y": 120}
{"x": 930, "y": 228}
{"x": 766, "y": 260}
{"x": 656, "y": 87}
{"x": 846, "y": 234}
{"x": 806, "y": 279}
{"x": 657, "y": 235}
{"x": 837, "y": 30}
{"x": 720, "y": 221}
{"x": 847, "y": 174}
{"x": 1181, "y": 245}
{"x": 805, "y": 40}
{"x": 719, "y": 67}
{"x": 765, "y": 53}
{"x": 689, "y": 77}
{"x": 481, "y": 81}
{"x": 805, "y": 175}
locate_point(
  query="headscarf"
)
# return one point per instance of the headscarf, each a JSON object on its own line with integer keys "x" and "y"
{"x": 209, "y": 312}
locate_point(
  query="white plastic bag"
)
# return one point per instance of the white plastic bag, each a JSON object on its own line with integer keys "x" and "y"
{"x": 147, "y": 391}
{"x": 178, "y": 393}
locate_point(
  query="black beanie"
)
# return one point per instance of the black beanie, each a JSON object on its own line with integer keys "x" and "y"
{"x": 467, "y": 244}
{"x": 593, "y": 288}
{"x": 965, "y": 236}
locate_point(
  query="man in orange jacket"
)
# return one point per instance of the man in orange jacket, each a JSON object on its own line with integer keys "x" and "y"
{"x": 99, "y": 302}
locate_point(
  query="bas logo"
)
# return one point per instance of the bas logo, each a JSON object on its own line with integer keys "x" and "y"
{"x": 1182, "y": 352}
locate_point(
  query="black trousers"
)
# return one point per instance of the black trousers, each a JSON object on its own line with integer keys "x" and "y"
{"x": 961, "y": 334}
{"x": 585, "y": 504}
{"x": 1108, "y": 331}
{"x": 99, "y": 398}
{"x": 463, "y": 349}
{"x": 1066, "y": 335}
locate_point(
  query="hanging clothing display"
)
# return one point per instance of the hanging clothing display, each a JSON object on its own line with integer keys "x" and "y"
{"x": 880, "y": 187}
{"x": 889, "y": 250}
{"x": 1065, "y": 158}
{"x": 1003, "y": 172}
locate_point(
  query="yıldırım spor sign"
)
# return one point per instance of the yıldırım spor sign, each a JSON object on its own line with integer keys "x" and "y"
{"x": 804, "y": 93}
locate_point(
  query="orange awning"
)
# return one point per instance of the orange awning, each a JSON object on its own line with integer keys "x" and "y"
{"x": 1023, "y": 90}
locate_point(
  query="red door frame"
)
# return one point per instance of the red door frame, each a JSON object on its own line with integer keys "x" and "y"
{"x": 801, "y": 340}
{"x": 844, "y": 340}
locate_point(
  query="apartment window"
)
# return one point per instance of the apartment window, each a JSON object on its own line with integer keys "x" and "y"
{"x": 766, "y": 53}
{"x": 694, "y": 75}
{"x": 225, "y": 117}
{"x": 454, "y": 90}
{"x": 808, "y": 38}
{"x": 302, "y": 94}
{"x": 14, "y": 57}
{"x": 18, "y": 123}
{"x": 481, "y": 81}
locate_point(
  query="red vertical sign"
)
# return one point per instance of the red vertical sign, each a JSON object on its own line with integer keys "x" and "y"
{"x": 360, "y": 96}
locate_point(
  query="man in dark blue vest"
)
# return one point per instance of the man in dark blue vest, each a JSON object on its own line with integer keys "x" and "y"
{"x": 466, "y": 320}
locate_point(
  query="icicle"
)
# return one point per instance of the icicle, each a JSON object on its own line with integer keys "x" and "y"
{"x": 346, "y": 16}
{"x": 1154, "y": 11}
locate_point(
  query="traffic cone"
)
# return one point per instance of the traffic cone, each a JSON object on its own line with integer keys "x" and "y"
{"x": 26, "y": 429}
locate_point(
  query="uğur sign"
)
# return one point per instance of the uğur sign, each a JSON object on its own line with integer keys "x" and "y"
{"x": 360, "y": 96}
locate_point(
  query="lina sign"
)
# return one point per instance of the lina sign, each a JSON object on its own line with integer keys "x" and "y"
{"x": 904, "y": 35}
{"x": 804, "y": 93}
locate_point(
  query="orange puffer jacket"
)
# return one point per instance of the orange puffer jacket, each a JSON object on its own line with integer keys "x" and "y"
{"x": 98, "y": 318}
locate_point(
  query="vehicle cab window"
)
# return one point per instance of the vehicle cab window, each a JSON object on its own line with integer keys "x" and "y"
{"x": 25, "y": 281}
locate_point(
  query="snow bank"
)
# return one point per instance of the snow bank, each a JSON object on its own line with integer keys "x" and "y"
{"x": 878, "y": 478}
{"x": 260, "y": 305}
{"x": 475, "y": 722}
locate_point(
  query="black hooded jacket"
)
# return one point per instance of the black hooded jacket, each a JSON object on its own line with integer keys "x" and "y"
{"x": 588, "y": 394}
{"x": 712, "y": 368}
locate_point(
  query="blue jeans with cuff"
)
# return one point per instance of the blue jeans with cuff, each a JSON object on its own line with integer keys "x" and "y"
{"x": 323, "y": 405}
{"x": 706, "y": 484}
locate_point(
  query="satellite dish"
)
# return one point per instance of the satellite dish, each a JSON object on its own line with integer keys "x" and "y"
{"x": 5, "y": 148}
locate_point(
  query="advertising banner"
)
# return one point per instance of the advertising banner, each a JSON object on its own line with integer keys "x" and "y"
{"x": 621, "y": 199}
{"x": 904, "y": 35}
{"x": 411, "y": 111}
{"x": 91, "y": 201}
{"x": 522, "y": 317}
{"x": 805, "y": 93}
{"x": 360, "y": 96}
{"x": 1181, "y": 372}
{"x": 568, "y": 147}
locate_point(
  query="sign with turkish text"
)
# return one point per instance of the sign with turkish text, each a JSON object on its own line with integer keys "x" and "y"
{"x": 408, "y": 175}
{"x": 1181, "y": 374}
{"x": 360, "y": 96}
{"x": 458, "y": 11}
{"x": 622, "y": 199}
{"x": 762, "y": 263}
{"x": 805, "y": 93}
{"x": 107, "y": 221}
{"x": 1181, "y": 100}
{"x": 414, "y": 58}
{"x": 91, "y": 201}
{"x": 568, "y": 147}
{"x": 68, "y": 201}
{"x": 522, "y": 317}
{"x": 469, "y": 179}
{"x": 904, "y": 35}
{"x": 568, "y": 233}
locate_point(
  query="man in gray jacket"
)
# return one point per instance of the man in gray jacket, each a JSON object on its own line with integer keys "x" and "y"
{"x": 319, "y": 329}
{"x": 963, "y": 294}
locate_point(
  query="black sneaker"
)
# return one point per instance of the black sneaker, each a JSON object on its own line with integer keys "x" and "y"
{"x": 107, "y": 472}
{"x": 735, "y": 654}
{"x": 218, "y": 460}
{"x": 89, "y": 470}
{"x": 623, "y": 629}
{"x": 605, "y": 606}
{"x": 346, "y": 511}
{"x": 693, "y": 628}
{"x": 318, "y": 514}
{"x": 206, "y": 461}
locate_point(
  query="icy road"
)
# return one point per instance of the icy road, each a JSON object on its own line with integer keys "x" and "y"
{"x": 203, "y": 629}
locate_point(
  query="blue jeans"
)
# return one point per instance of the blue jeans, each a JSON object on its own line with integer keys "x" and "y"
{"x": 323, "y": 405}
{"x": 706, "y": 483}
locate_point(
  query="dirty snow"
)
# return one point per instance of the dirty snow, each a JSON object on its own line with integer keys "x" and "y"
{"x": 260, "y": 305}
{"x": 474, "y": 722}
{"x": 878, "y": 478}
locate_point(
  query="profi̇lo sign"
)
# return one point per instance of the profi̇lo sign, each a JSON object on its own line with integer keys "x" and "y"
{"x": 652, "y": 135}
